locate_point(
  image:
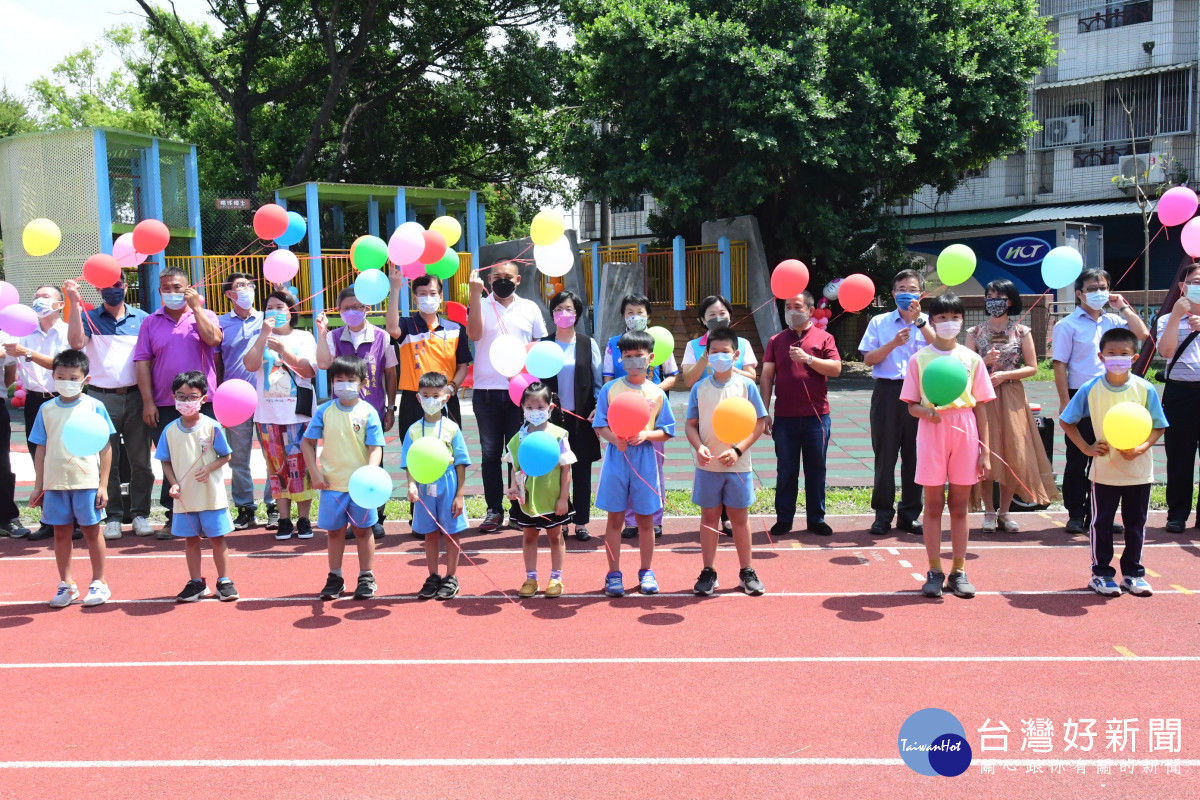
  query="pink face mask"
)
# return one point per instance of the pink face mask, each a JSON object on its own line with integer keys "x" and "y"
{"x": 564, "y": 319}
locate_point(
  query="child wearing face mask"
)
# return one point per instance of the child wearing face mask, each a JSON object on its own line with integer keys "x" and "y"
{"x": 635, "y": 311}
{"x": 1119, "y": 477}
{"x": 437, "y": 507}
{"x": 72, "y": 489}
{"x": 194, "y": 451}
{"x": 541, "y": 502}
{"x": 950, "y": 443}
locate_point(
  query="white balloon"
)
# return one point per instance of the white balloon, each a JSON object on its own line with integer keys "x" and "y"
{"x": 554, "y": 260}
{"x": 507, "y": 355}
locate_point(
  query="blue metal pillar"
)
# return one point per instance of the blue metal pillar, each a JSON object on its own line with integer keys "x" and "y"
{"x": 473, "y": 224}
{"x": 372, "y": 216}
{"x": 314, "y": 268}
{"x": 152, "y": 192}
{"x": 401, "y": 215}
{"x": 483, "y": 223}
{"x": 679, "y": 273}
{"x": 441, "y": 208}
{"x": 193, "y": 195}
{"x": 103, "y": 197}
{"x": 726, "y": 267}
{"x": 596, "y": 269}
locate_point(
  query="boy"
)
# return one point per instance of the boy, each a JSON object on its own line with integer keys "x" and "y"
{"x": 353, "y": 438}
{"x": 72, "y": 489}
{"x": 723, "y": 476}
{"x": 632, "y": 469}
{"x": 438, "y": 506}
{"x": 1119, "y": 477}
{"x": 194, "y": 451}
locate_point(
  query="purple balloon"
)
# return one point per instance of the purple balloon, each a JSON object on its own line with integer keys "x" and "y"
{"x": 18, "y": 320}
{"x": 8, "y": 294}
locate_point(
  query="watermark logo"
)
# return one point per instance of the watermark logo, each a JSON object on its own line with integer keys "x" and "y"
{"x": 1024, "y": 251}
{"x": 933, "y": 742}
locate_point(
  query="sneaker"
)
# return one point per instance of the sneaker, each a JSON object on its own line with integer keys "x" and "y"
{"x": 958, "y": 583}
{"x": 430, "y": 587}
{"x": 933, "y": 583}
{"x": 304, "y": 528}
{"x": 492, "y": 521}
{"x": 66, "y": 594}
{"x": 614, "y": 585}
{"x": 98, "y": 594}
{"x": 448, "y": 589}
{"x": 647, "y": 583}
{"x": 334, "y": 586}
{"x": 748, "y": 582}
{"x": 726, "y": 528}
{"x": 1074, "y": 525}
{"x": 554, "y": 588}
{"x": 14, "y": 529}
{"x": 283, "y": 530}
{"x": 528, "y": 588}
{"x": 112, "y": 529}
{"x": 1139, "y": 586}
{"x": 658, "y": 531}
{"x": 366, "y": 586}
{"x": 245, "y": 518}
{"x": 165, "y": 531}
{"x": 142, "y": 527}
{"x": 629, "y": 533}
{"x": 706, "y": 584}
{"x": 272, "y": 516}
{"x": 44, "y": 531}
{"x": 1105, "y": 586}
{"x": 226, "y": 591}
{"x": 193, "y": 591}
{"x": 76, "y": 534}
{"x": 581, "y": 533}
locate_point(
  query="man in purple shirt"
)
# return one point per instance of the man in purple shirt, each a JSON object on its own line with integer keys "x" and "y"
{"x": 180, "y": 336}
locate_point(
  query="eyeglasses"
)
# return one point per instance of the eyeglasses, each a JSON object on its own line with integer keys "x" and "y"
{"x": 188, "y": 398}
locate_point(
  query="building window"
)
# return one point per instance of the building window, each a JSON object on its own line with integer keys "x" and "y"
{"x": 1158, "y": 105}
{"x": 1116, "y": 15}
{"x": 1108, "y": 155}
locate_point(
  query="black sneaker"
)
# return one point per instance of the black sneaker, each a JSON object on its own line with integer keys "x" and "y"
{"x": 749, "y": 583}
{"x": 581, "y": 533}
{"x": 910, "y": 526}
{"x": 334, "y": 586}
{"x": 1074, "y": 525}
{"x": 194, "y": 591}
{"x": 820, "y": 528}
{"x": 629, "y": 533}
{"x": 958, "y": 583}
{"x": 304, "y": 528}
{"x": 43, "y": 532}
{"x": 78, "y": 534}
{"x": 430, "y": 587}
{"x": 1118, "y": 529}
{"x": 272, "y": 517}
{"x": 377, "y": 531}
{"x": 706, "y": 584}
{"x": 366, "y": 586}
{"x": 448, "y": 589}
{"x": 933, "y": 583}
{"x": 283, "y": 530}
{"x": 245, "y": 518}
{"x": 226, "y": 590}
{"x": 780, "y": 529}
{"x": 726, "y": 528}
{"x": 658, "y": 531}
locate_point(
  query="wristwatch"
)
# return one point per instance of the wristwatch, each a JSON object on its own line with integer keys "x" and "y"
{"x": 390, "y": 408}
{"x": 736, "y": 449}
{"x": 921, "y": 322}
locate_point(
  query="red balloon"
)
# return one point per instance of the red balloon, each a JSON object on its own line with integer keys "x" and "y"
{"x": 150, "y": 236}
{"x": 628, "y": 413}
{"x": 435, "y": 247}
{"x": 101, "y": 271}
{"x": 270, "y": 221}
{"x": 18, "y": 402}
{"x": 789, "y": 279}
{"x": 856, "y": 292}
{"x": 456, "y": 312}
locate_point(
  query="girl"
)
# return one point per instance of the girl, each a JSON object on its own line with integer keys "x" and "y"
{"x": 543, "y": 501}
{"x": 949, "y": 443}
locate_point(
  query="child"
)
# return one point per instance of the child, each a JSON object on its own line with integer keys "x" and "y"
{"x": 723, "y": 471}
{"x": 438, "y": 507}
{"x": 949, "y": 444}
{"x": 542, "y": 501}
{"x": 1123, "y": 480}
{"x": 77, "y": 487}
{"x": 352, "y": 437}
{"x": 632, "y": 468}
{"x": 194, "y": 451}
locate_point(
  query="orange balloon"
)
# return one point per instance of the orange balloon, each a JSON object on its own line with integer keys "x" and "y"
{"x": 734, "y": 419}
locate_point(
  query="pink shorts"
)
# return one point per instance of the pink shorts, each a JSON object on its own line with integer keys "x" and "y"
{"x": 948, "y": 451}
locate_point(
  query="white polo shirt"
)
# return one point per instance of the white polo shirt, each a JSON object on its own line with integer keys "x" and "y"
{"x": 49, "y": 343}
{"x": 1187, "y": 368}
{"x": 522, "y": 319}
{"x": 1076, "y": 343}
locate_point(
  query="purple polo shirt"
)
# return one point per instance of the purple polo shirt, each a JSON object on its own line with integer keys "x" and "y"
{"x": 175, "y": 347}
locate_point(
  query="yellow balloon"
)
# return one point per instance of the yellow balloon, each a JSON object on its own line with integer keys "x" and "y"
{"x": 1127, "y": 425}
{"x": 41, "y": 237}
{"x": 547, "y": 227}
{"x": 448, "y": 227}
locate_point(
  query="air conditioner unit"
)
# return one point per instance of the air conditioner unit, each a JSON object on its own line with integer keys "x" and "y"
{"x": 1148, "y": 168}
{"x": 1064, "y": 130}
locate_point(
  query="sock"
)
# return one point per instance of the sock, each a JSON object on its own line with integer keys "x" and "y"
{"x": 935, "y": 564}
{"x": 222, "y": 578}
{"x": 556, "y": 574}
{"x": 366, "y": 573}
{"x": 337, "y": 572}
{"x": 960, "y": 565}
{"x": 531, "y": 575}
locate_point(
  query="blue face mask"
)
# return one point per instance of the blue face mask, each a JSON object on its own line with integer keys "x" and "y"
{"x": 905, "y": 299}
{"x": 720, "y": 362}
{"x": 173, "y": 301}
{"x": 281, "y": 319}
{"x": 1193, "y": 294}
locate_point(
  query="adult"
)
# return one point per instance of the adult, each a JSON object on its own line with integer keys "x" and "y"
{"x": 10, "y": 515}
{"x": 797, "y": 366}
{"x": 578, "y": 387}
{"x": 502, "y": 312}
{"x": 1021, "y": 465}
{"x": 890, "y": 340}
{"x": 239, "y": 329}
{"x": 714, "y": 312}
{"x": 358, "y": 337}
{"x": 181, "y": 336}
{"x": 1179, "y": 343}
{"x": 108, "y": 335}
{"x": 283, "y": 361}
{"x": 1076, "y": 344}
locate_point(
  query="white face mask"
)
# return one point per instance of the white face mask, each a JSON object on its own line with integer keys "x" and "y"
{"x": 173, "y": 301}
{"x": 948, "y": 329}
{"x": 1118, "y": 365}
{"x": 637, "y": 322}
{"x": 346, "y": 391}
{"x": 428, "y": 303}
{"x": 1096, "y": 300}
{"x": 68, "y": 388}
{"x": 537, "y": 416}
{"x": 245, "y": 298}
{"x": 432, "y": 405}
{"x": 188, "y": 408}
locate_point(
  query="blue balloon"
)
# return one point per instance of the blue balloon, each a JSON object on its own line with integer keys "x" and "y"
{"x": 370, "y": 487}
{"x": 84, "y": 435}
{"x": 538, "y": 454}
{"x": 1061, "y": 267}
{"x": 296, "y": 229}
{"x": 545, "y": 360}
{"x": 371, "y": 287}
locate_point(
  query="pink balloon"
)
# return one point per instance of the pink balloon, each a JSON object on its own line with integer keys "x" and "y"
{"x": 124, "y": 253}
{"x": 18, "y": 320}
{"x": 1177, "y": 205}
{"x": 406, "y": 244}
{"x": 234, "y": 402}
{"x": 8, "y": 294}
{"x": 517, "y": 384}
{"x": 414, "y": 270}
{"x": 280, "y": 266}
{"x": 1190, "y": 238}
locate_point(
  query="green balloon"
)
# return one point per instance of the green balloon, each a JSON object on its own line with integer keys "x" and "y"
{"x": 428, "y": 459}
{"x": 446, "y": 267}
{"x": 956, "y": 264}
{"x": 664, "y": 345}
{"x": 944, "y": 380}
{"x": 370, "y": 252}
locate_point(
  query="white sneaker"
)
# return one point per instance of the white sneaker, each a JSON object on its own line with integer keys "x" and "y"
{"x": 67, "y": 593}
{"x": 142, "y": 527}
{"x": 112, "y": 529}
{"x": 1138, "y": 586}
{"x": 98, "y": 593}
{"x": 1105, "y": 586}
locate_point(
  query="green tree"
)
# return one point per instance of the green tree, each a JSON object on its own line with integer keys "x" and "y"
{"x": 14, "y": 114}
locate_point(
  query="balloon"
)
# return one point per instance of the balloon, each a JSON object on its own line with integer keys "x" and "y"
{"x": 125, "y": 253}
{"x": 856, "y": 292}
{"x": 1062, "y": 265}
{"x": 831, "y": 289}
{"x": 538, "y": 454}
{"x": 1189, "y": 237}
{"x": 446, "y": 267}
{"x": 545, "y": 360}
{"x": 944, "y": 380}
{"x": 449, "y": 228}
{"x": 734, "y": 418}
{"x": 1177, "y": 205}
{"x": 406, "y": 243}
{"x": 435, "y": 247}
{"x": 413, "y": 271}
{"x": 456, "y": 312}
{"x": 627, "y": 414}
{"x": 234, "y": 402}
{"x": 956, "y": 264}
{"x": 280, "y": 266}
{"x": 517, "y": 385}
{"x": 296, "y": 229}
{"x": 368, "y": 252}
{"x": 18, "y": 400}
{"x": 101, "y": 271}
{"x": 1127, "y": 425}
{"x": 371, "y": 287}
{"x": 554, "y": 260}
{"x": 547, "y": 227}
{"x": 271, "y": 221}
{"x": 150, "y": 236}
{"x": 19, "y": 393}
{"x": 428, "y": 459}
{"x": 789, "y": 279}
{"x": 18, "y": 320}
{"x": 82, "y": 436}
{"x": 664, "y": 344}
{"x": 507, "y": 354}
{"x": 8, "y": 294}
{"x": 370, "y": 486}
{"x": 41, "y": 237}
